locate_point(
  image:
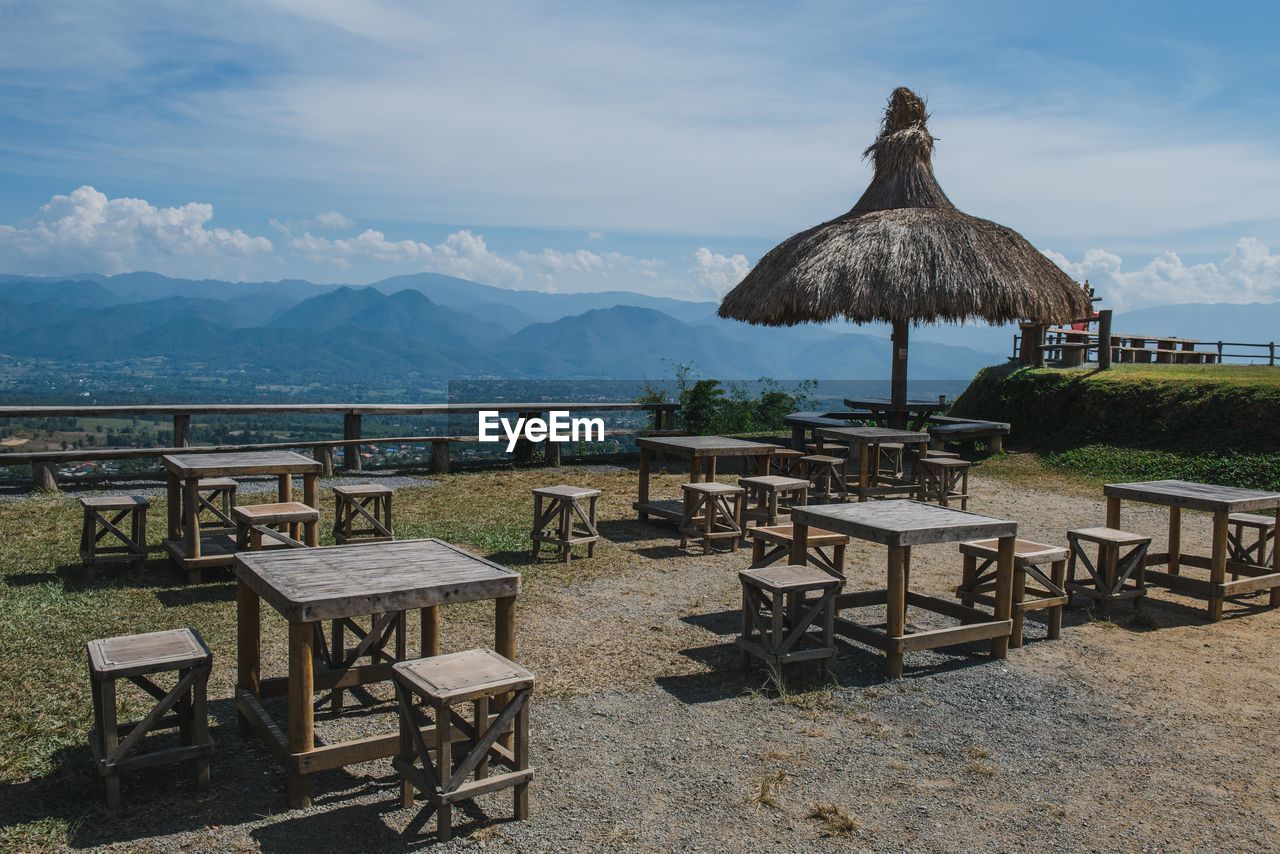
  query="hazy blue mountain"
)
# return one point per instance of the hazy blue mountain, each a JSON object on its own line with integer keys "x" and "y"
{"x": 62, "y": 293}
{"x": 466, "y": 295}
{"x": 1256, "y": 322}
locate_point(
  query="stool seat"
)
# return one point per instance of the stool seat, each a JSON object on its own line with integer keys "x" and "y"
{"x": 153, "y": 652}
{"x": 361, "y": 490}
{"x": 784, "y": 578}
{"x": 1025, "y": 552}
{"x": 713, "y": 488}
{"x": 931, "y": 454}
{"x": 1109, "y": 536}
{"x": 774, "y": 481}
{"x": 217, "y": 483}
{"x": 563, "y": 491}
{"x": 824, "y": 459}
{"x": 944, "y": 462}
{"x": 115, "y": 502}
{"x": 462, "y": 676}
{"x": 786, "y": 533}
{"x": 270, "y": 514}
{"x": 1252, "y": 520}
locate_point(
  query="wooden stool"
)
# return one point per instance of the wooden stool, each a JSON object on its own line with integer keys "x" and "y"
{"x": 255, "y": 521}
{"x": 125, "y": 547}
{"x": 826, "y": 476}
{"x": 1111, "y": 576}
{"x": 891, "y": 459}
{"x": 943, "y": 480}
{"x": 785, "y": 462}
{"x": 217, "y": 496}
{"x": 562, "y": 504}
{"x": 979, "y": 581}
{"x": 368, "y": 501}
{"x": 478, "y": 676}
{"x": 828, "y": 447}
{"x": 1256, "y": 552}
{"x": 773, "y": 543}
{"x": 941, "y": 455}
{"x": 134, "y": 657}
{"x": 778, "y": 615}
{"x": 712, "y": 511}
{"x": 773, "y": 495}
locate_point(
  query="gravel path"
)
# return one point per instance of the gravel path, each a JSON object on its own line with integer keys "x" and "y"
{"x": 1153, "y": 735}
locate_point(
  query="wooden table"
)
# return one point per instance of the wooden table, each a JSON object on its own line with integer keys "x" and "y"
{"x": 1221, "y": 501}
{"x": 865, "y": 443}
{"x": 911, "y": 414}
{"x": 192, "y": 548}
{"x": 309, "y": 586}
{"x": 901, "y": 524}
{"x": 702, "y": 453}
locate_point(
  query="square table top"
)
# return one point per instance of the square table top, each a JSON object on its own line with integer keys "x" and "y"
{"x": 306, "y": 585}
{"x": 705, "y": 446}
{"x": 1195, "y": 496}
{"x": 887, "y": 405}
{"x": 903, "y": 522}
{"x": 864, "y": 435}
{"x": 240, "y": 462}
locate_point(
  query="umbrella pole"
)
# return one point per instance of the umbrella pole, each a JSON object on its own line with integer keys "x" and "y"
{"x": 898, "y": 384}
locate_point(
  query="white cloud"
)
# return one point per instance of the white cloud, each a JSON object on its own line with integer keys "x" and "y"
{"x": 594, "y": 236}
{"x": 716, "y": 274}
{"x": 582, "y": 268}
{"x": 1249, "y": 273}
{"x": 327, "y": 221}
{"x": 85, "y": 231}
{"x": 463, "y": 254}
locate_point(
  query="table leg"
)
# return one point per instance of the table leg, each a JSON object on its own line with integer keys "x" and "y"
{"x": 1004, "y": 592}
{"x": 1274, "y": 600}
{"x": 301, "y": 713}
{"x": 864, "y": 456}
{"x": 1113, "y": 512}
{"x": 1218, "y": 564}
{"x": 711, "y": 468}
{"x": 248, "y": 646}
{"x": 191, "y": 520}
{"x": 174, "y": 505}
{"x": 429, "y": 644}
{"x": 643, "y": 496}
{"x": 284, "y": 487}
{"x": 695, "y": 469}
{"x": 896, "y": 610}
{"x": 1175, "y": 540}
{"x": 311, "y": 497}
{"x": 799, "y": 544}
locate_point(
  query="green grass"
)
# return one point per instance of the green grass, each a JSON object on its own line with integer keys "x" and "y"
{"x": 1108, "y": 463}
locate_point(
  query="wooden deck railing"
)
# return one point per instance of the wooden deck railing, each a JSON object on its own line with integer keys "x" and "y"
{"x": 44, "y": 463}
{"x": 1068, "y": 346}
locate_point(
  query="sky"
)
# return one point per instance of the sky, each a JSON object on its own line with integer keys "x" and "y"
{"x": 660, "y": 147}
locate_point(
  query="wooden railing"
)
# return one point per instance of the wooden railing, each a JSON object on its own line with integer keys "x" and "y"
{"x": 44, "y": 463}
{"x": 1068, "y": 346}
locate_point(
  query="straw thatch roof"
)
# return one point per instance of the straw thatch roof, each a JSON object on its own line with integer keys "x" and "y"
{"x": 904, "y": 253}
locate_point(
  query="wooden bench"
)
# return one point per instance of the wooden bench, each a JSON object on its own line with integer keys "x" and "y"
{"x": 712, "y": 511}
{"x": 943, "y": 480}
{"x": 103, "y": 515}
{"x": 135, "y": 657}
{"x": 482, "y": 678}
{"x": 1114, "y": 576}
{"x": 990, "y": 432}
{"x": 370, "y": 502}
{"x": 978, "y": 582}
{"x": 779, "y": 616}
{"x": 769, "y": 497}
{"x": 772, "y": 543}
{"x": 256, "y": 521}
{"x": 555, "y": 509}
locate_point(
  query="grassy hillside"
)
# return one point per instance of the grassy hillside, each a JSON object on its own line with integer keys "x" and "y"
{"x": 1212, "y": 423}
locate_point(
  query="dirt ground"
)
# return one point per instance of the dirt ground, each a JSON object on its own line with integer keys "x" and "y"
{"x": 1146, "y": 734}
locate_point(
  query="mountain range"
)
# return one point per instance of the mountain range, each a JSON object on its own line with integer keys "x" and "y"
{"x": 431, "y": 325}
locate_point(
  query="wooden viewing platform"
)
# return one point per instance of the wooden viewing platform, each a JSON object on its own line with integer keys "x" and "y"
{"x": 43, "y": 463}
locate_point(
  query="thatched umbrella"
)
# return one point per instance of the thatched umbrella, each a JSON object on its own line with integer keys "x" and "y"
{"x": 904, "y": 255}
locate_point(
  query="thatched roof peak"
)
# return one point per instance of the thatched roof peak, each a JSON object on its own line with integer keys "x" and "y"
{"x": 905, "y": 253}
{"x": 903, "y": 158}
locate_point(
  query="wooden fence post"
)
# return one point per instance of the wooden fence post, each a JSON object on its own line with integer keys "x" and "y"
{"x": 351, "y": 430}
{"x": 181, "y": 430}
{"x": 1104, "y": 339}
{"x": 439, "y": 458}
{"x": 42, "y": 474}
{"x": 324, "y": 456}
